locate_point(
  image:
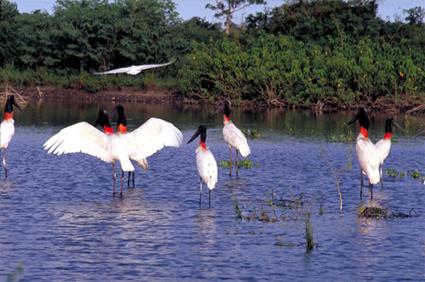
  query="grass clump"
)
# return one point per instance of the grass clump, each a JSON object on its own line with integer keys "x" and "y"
{"x": 246, "y": 164}
{"x": 374, "y": 212}
{"x": 392, "y": 172}
{"x": 251, "y": 133}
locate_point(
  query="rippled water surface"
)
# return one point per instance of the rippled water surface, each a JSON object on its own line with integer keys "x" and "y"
{"x": 59, "y": 221}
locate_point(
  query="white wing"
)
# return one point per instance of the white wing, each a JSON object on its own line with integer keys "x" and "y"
{"x": 133, "y": 70}
{"x": 369, "y": 159}
{"x": 115, "y": 71}
{"x": 151, "y": 137}
{"x": 145, "y": 67}
{"x": 80, "y": 138}
{"x": 383, "y": 148}
{"x": 233, "y": 136}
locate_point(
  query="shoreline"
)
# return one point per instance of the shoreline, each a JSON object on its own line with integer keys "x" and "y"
{"x": 158, "y": 96}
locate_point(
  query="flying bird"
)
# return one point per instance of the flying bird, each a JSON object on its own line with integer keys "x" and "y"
{"x": 234, "y": 138}
{"x": 134, "y": 70}
{"x": 137, "y": 145}
{"x": 205, "y": 163}
{"x": 7, "y": 128}
{"x": 367, "y": 154}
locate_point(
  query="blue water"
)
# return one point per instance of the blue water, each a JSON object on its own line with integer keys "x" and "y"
{"x": 59, "y": 221}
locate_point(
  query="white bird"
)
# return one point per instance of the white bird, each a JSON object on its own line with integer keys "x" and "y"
{"x": 7, "y": 129}
{"x": 234, "y": 138}
{"x": 134, "y": 70}
{"x": 367, "y": 154}
{"x": 137, "y": 145}
{"x": 122, "y": 129}
{"x": 205, "y": 163}
{"x": 384, "y": 145}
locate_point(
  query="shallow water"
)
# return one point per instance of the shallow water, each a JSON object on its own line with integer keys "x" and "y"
{"x": 59, "y": 221}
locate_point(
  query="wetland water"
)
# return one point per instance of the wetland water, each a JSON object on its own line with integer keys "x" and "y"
{"x": 59, "y": 221}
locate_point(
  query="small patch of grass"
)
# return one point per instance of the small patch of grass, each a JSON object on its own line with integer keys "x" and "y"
{"x": 251, "y": 133}
{"x": 340, "y": 138}
{"x": 238, "y": 211}
{"x": 246, "y": 164}
{"x": 375, "y": 212}
{"x": 415, "y": 174}
{"x": 392, "y": 172}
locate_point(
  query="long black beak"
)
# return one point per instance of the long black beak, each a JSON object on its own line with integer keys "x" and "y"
{"x": 196, "y": 134}
{"x": 353, "y": 120}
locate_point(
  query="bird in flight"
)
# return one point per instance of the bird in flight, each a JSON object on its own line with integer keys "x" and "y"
{"x": 135, "y": 70}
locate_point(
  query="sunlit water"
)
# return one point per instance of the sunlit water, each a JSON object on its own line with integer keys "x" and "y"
{"x": 59, "y": 221}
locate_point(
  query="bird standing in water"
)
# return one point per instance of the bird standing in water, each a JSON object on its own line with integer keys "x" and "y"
{"x": 147, "y": 139}
{"x": 367, "y": 154}
{"x": 384, "y": 145}
{"x": 234, "y": 138}
{"x": 205, "y": 163}
{"x": 7, "y": 128}
{"x": 122, "y": 129}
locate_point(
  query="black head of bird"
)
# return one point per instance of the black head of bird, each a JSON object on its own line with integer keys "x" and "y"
{"x": 10, "y": 102}
{"x": 102, "y": 119}
{"x": 202, "y": 130}
{"x": 227, "y": 108}
{"x": 361, "y": 116}
{"x": 389, "y": 125}
{"x": 121, "y": 119}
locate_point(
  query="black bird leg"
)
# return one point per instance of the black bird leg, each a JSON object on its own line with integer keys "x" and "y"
{"x": 361, "y": 183}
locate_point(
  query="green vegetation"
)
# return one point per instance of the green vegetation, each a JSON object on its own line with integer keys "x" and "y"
{"x": 245, "y": 163}
{"x": 302, "y": 53}
{"x": 251, "y": 133}
{"x": 394, "y": 173}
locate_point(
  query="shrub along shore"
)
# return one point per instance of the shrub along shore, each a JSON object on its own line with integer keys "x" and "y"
{"x": 304, "y": 54}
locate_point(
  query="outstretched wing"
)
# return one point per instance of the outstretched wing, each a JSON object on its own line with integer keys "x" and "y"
{"x": 151, "y": 137}
{"x": 114, "y": 71}
{"x": 145, "y": 67}
{"x": 80, "y": 138}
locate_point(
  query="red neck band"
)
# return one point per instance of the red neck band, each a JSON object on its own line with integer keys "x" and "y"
{"x": 364, "y": 132}
{"x": 108, "y": 130}
{"x": 226, "y": 118}
{"x": 388, "y": 135}
{"x": 122, "y": 128}
{"x": 8, "y": 116}
{"x": 203, "y": 145}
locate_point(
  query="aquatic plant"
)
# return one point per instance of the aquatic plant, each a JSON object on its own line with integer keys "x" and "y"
{"x": 14, "y": 275}
{"x": 341, "y": 138}
{"x": 375, "y": 212}
{"x": 392, "y": 172}
{"x": 414, "y": 174}
{"x": 238, "y": 211}
{"x": 251, "y": 133}
{"x": 309, "y": 232}
{"x": 245, "y": 163}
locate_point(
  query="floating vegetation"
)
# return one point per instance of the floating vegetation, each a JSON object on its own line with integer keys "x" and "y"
{"x": 394, "y": 173}
{"x": 340, "y": 138}
{"x": 414, "y": 174}
{"x": 378, "y": 212}
{"x": 375, "y": 212}
{"x": 251, "y": 133}
{"x": 309, "y": 233}
{"x": 246, "y": 164}
{"x": 14, "y": 275}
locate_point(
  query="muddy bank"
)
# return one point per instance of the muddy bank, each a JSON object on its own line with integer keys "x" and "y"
{"x": 164, "y": 96}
